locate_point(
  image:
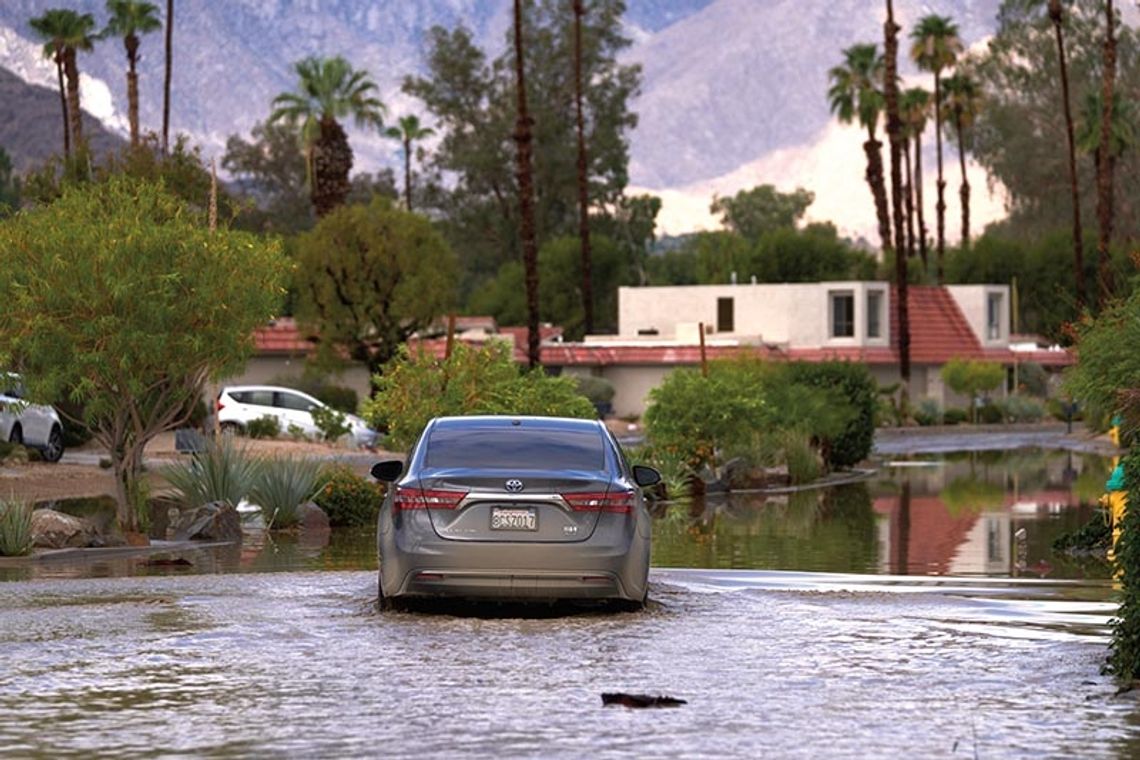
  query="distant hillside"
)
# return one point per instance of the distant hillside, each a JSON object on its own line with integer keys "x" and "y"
{"x": 31, "y": 126}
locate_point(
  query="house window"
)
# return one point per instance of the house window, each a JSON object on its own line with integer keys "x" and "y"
{"x": 993, "y": 316}
{"x": 724, "y": 315}
{"x": 843, "y": 315}
{"x": 874, "y": 313}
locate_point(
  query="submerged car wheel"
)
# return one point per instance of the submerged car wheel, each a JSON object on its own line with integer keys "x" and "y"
{"x": 54, "y": 449}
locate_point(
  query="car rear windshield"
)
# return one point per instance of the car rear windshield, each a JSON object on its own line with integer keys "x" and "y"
{"x": 516, "y": 448}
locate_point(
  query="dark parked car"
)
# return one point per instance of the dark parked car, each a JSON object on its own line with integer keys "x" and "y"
{"x": 514, "y": 508}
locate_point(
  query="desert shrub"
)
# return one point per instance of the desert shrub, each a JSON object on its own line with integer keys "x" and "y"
{"x": 15, "y": 528}
{"x": 349, "y": 499}
{"x": 1022, "y": 409}
{"x": 296, "y": 432}
{"x": 222, "y": 471}
{"x": 414, "y": 388}
{"x": 990, "y": 414}
{"x": 859, "y": 389}
{"x": 266, "y": 426}
{"x": 330, "y": 422}
{"x": 339, "y": 397}
{"x": 954, "y": 416}
{"x": 804, "y": 463}
{"x": 282, "y": 485}
{"x": 928, "y": 412}
{"x": 1033, "y": 379}
{"x": 598, "y": 389}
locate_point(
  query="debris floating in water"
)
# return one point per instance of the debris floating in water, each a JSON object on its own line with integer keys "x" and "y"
{"x": 641, "y": 700}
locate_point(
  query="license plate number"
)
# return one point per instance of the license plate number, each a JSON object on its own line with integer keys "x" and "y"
{"x": 511, "y": 518}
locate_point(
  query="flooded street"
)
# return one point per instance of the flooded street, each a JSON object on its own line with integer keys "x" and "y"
{"x": 921, "y": 614}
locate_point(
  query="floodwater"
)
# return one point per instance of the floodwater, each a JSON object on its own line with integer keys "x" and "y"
{"x": 922, "y": 614}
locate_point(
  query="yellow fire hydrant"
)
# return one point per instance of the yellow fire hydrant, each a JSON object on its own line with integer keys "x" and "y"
{"x": 1115, "y": 501}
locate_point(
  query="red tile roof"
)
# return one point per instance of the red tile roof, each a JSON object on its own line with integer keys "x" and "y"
{"x": 281, "y": 336}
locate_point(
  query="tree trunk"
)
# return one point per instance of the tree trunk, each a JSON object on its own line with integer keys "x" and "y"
{"x": 74, "y": 113}
{"x": 126, "y": 464}
{"x": 63, "y": 104}
{"x": 894, "y": 128}
{"x": 1104, "y": 164}
{"x": 874, "y": 176}
{"x": 1056, "y": 16}
{"x": 908, "y": 187}
{"x": 332, "y": 161}
{"x": 166, "y": 76}
{"x": 583, "y": 178}
{"x": 964, "y": 190}
{"x": 918, "y": 202}
{"x": 132, "y": 43}
{"x": 408, "y": 172}
{"x": 523, "y": 141}
{"x": 940, "y": 207}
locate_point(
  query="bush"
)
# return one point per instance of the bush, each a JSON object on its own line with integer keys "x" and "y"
{"x": 954, "y": 416}
{"x": 928, "y": 412}
{"x": 296, "y": 432}
{"x": 348, "y": 499}
{"x": 15, "y": 528}
{"x": 1022, "y": 409}
{"x": 266, "y": 426}
{"x": 282, "y": 485}
{"x": 330, "y": 422}
{"x": 1124, "y": 651}
{"x": 804, "y": 463}
{"x": 1057, "y": 410}
{"x": 990, "y": 414}
{"x": 1033, "y": 379}
{"x": 598, "y": 389}
{"x": 413, "y": 389}
{"x": 222, "y": 471}
{"x": 859, "y": 388}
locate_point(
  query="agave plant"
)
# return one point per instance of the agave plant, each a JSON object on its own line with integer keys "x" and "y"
{"x": 222, "y": 471}
{"x": 15, "y": 528}
{"x": 283, "y": 485}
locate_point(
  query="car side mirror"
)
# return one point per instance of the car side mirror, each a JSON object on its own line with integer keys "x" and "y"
{"x": 645, "y": 476}
{"x": 388, "y": 470}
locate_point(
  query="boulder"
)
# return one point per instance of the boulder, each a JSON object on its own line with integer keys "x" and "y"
{"x": 310, "y": 517}
{"x": 56, "y": 530}
{"x": 216, "y": 521}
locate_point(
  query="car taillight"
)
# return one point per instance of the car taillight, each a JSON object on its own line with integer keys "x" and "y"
{"x": 218, "y": 405}
{"x": 426, "y": 498}
{"x": 618, "y": 501}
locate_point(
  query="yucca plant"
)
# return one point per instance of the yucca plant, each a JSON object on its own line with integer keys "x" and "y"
{"x": 15, "y": 528}
{"x": 283, "y": 485}
{"x": 222, "y": 471}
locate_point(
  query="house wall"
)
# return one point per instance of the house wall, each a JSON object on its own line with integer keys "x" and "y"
{"x": 972, "y": 301}
{"x": 632, "y": 384}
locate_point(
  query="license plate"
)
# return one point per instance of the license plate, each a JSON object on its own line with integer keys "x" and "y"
{"x": 513, "y": 518}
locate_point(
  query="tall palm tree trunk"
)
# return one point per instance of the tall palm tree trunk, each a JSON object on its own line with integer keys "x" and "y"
{"x": 132, "y": 44}
{"x": 75, "y": 115}
{"x": 63, "y": 104}
{"x": 583, "y": 179}
{"x": 874, "y": 176}
{"x": 166, "y": 76}
{"x": 964, "y": 190}
{"x": 908, "y": 200}
{"x": 940, "y": 206}
{"x": 918, "y": 202}
{"x": 332, "y": 161}
{"x": 894, "y": 133}
{"x": 1056, "y": 16}
{"x": 1104, "y": 164}
{"x": 523, "y": 141}
{"x": 408, "y": 172}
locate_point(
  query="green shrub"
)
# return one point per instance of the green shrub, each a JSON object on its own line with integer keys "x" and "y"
{"x": 972, "y": 377}
{"x": 1033, "y": 379}
{"x": 222, "y": 471}
{"x": 804, "y": 463}
{"x": 859, "y": 389}
{"x": 990, "y": 414}
{"x": 332, "y": 423}
{"x": 413, "y": 389}
{"x": 266, "y": 426}
{"x": 1022, "y": 409}
{"x": 928, "y": 412}
{"x": 15, "y": 528}
{"x": 296, "y": 432}
{"x": 954, "y": 416}
{"x": 282, "y": 485}
{"x": 1056, "y": 408}
{"x": 1124, "y": 651}
{"x": 339, "y": 397}
{"x": 597, "y": 389}
{"x": 349, "y": 499}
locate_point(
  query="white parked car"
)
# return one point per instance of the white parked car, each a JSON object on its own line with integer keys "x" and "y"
{"x": 33, "y": 425}
{"x": 238, "y": 405}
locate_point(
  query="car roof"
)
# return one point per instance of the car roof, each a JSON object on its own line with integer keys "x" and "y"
{"x": 229, "y": 388}
{"x": 485, "y": 422}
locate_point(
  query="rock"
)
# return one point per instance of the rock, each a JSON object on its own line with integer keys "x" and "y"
{"x": 310, "y": 517}
{"x": 216, "y": 521}
{"x": 641, "y": 700}
{"x": 164, "y": 511}
{"x": 56, "y": 530}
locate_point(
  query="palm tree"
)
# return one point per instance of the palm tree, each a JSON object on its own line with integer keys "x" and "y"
{"x": 854, "y": 95}
{"x": 962, "y": 101}
{"x": 523, "y": 140}
{"x": 71, "y": 32}
{"x": 166, "y": 76}
{"x": 583, "y": 177}
{"x": 894, "y": 133}
{"x": 1105, "y": 159}
{"x": 129, "y": 19}
{"x": 915, "y": 108}
{"x": 936, "y": 46}
{"x": 408, "y": 131}
{"x": 328, "y": 89}
{"x": 51, "y": 27}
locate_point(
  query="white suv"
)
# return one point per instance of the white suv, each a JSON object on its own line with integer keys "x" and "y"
{"x": 238, "y": 405}
{"x": 32, "y": 425}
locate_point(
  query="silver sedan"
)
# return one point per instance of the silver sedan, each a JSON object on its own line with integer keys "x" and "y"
{"x": 514, "y": 508}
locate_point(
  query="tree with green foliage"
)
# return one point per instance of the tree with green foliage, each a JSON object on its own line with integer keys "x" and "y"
{"x": 1106, "y": 378}
{"x": 814, "y": 254}
{"x": 146, "y": 306}
{"x": 970, "y": 377}
{"x": 962, "y": 101}
{"x": 328, "y": 90}
{"x": 752, "y": 213}
{"x": 271, "y": 168}
{"x": 856, "y": 95}
{"x": 935, "y": 47}
{"x": 129, "y": 19}
{"x": 415, "y": 387}
{"x": 368, "y": 277}
{"x": 408, "y": 131}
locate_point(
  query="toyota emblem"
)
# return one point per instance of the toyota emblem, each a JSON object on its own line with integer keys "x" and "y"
{"x": 514, "y": 485}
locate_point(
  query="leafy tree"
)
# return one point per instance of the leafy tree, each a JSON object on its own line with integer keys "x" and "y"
{"x": 720, "y": 256}
{"x": 936, "y": 47}
{"x": 368, "y": 277}
{"x": 68, "y": 32}
{"x": 855, "y": 95}
{"x": 271, "y": 168}
{"x": 969, "y": 377}
{"x": 145, "y": 307}
{"x": 962, "y": 102}
{"x": 129, "y": 19}
{"x": 328, "y": 90}
{"x": 408, "y": 131}
{"x": 813, "y": 254}
{"x": 762, "y": 209}
{"x": 677, "y": 266}
{"x": 1106, "y": 378}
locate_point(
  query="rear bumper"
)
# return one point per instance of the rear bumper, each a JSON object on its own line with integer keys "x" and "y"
{"x": 512, "y": 585}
